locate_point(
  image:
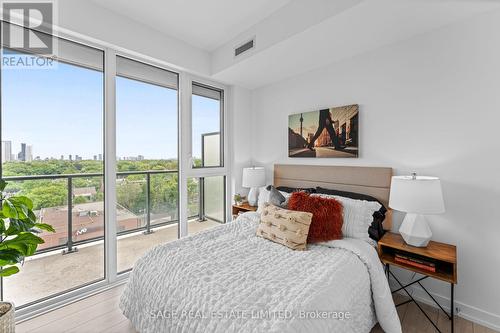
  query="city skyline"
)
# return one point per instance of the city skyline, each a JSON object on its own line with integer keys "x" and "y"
{"x": 8, "y": 156}
{"x": 25, "y": 154}
{"x": 64, "y": 115}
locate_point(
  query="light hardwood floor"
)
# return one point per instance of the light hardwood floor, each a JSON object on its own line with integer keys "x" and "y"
{"x": 100, "y": 313}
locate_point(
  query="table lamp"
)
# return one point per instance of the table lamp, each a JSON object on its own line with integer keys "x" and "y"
{"x": 417, "y": 196}
{"x": 253, "y": 178}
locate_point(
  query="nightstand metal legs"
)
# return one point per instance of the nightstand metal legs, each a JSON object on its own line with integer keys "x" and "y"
{"x": 403, "y": 287}
{"x": 452, "y": 307}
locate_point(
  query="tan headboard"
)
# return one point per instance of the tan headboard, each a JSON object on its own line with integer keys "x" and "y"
{"x": 374, "y": 181}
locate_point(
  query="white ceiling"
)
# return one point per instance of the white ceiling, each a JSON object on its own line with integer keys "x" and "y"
{"x": 361, "y": 28}
{"x": 292, "y": 36}
{"x": 205, "y": 24}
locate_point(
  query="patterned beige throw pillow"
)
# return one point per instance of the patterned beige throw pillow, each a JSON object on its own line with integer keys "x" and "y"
{"x": 286, "y": 227}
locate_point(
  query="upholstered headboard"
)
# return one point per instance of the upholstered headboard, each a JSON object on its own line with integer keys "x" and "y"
{"x": 374, "y": 181}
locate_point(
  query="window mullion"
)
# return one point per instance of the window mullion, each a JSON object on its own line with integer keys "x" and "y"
{"x": 110, "y": 238}
{"x": 185, "y": 158}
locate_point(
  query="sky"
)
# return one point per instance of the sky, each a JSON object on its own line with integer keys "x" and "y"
{"x": 60, "y": 112}
{"x": 310, "y": 124}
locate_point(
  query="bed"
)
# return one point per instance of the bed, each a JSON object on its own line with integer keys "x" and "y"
{"x": 228, "y": 280}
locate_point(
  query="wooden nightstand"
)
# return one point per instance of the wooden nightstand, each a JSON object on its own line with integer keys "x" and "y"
{"x": 245, "y": 207}
{"x": 444, "y": 256}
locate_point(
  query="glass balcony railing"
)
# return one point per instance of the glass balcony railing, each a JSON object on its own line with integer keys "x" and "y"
{"x": 146, "y": 216}
{"x": 149, "y": 200}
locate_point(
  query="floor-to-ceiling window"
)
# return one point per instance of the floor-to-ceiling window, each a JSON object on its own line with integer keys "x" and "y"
{"x": 52, "y": 152}
{"x": 147, "y": 149}
{"x": 93, "y": 119}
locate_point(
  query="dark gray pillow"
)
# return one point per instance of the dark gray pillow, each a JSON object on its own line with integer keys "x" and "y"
{"x": 296, "y": 189}
{"x": 275, "y": 197}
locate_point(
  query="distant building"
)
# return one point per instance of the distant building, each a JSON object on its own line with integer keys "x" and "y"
{"x": 29, "y": 153}
{"x": 133, "y": 158}
{"x": 95, "y": 157}
{"x": 62, "y": 157}
{"x": 88, "y": 222}
{"x": 295, "y": 140}
{"x": 70, "y": 157}
{"x": 21, "y": 156}
{"x": 86, "y": 192}
{"x": 324, "y": 139}
{"x": 6, "y": 151}
{"x": 100, "y": 157}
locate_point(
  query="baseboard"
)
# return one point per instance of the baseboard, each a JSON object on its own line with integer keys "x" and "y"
{"x": 463, "y": 310}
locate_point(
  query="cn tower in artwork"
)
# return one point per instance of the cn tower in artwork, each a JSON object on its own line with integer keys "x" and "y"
{"x": 301, "y": 121}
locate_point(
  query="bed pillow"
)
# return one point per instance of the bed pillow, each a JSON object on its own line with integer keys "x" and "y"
{"x": 327, "y": 218}
{"x": 285, "y": 227}
{"x": 265, "y": 197}
{"x": 358, "y": 216}
{"x": 347, "y": 194}
{"x": 275, "y": 197}
{"x": 296, "y": 189}
{"x": 376, "y": 229}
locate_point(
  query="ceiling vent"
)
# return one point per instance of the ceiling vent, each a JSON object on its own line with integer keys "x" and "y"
{"x": 245, "y": 47}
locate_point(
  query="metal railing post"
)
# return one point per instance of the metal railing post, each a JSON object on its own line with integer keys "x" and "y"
{"x": 148, "y": 204}
{"x": 201, "y": 199}
{"x": 70, "y": 245}
{"x": 70, "y": 248}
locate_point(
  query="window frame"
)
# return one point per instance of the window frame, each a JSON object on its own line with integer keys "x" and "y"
{"x": 185, "y": 170}
{"x": 139, "y": 60}
{"x": 33, "y": 308}
{"x": 221, "y": 125}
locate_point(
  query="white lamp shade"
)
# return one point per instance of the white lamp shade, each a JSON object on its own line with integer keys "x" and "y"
{"x": 254, "y": 177}
{"x": 420, "y": 195}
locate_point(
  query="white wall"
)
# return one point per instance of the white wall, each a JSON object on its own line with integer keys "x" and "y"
{"x": 432, "y": 105}
{"x": 241, "y": 131}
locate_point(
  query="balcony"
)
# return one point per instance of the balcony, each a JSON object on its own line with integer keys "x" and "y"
{"x": 74, "y": 255}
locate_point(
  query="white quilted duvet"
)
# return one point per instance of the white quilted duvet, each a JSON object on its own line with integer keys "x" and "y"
{"x": 228, "y": 280}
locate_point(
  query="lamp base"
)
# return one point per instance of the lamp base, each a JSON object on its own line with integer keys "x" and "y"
{"x": 415, "y": 230}
{"x": 253, "y": 196}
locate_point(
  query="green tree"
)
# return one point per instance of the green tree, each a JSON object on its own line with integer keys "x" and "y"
{"x": 131, "y": 195}
{"x": 131, "y": 189}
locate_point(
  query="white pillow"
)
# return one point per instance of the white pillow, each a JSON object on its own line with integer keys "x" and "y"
{"x": 264, "y": 198}
{"x": 358, "y": 216}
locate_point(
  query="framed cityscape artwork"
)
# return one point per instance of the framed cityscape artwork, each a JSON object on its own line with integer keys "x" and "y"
{"x": 329, "y": 132}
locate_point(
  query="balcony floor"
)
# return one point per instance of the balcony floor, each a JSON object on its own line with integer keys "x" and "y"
{"x": 50, "y": 273}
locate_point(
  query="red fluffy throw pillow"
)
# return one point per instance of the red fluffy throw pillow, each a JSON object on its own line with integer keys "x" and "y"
{"x": 327, "y": 216}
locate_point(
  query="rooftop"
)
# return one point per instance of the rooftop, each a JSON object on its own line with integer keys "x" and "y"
{"x": 55, "y": 272}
